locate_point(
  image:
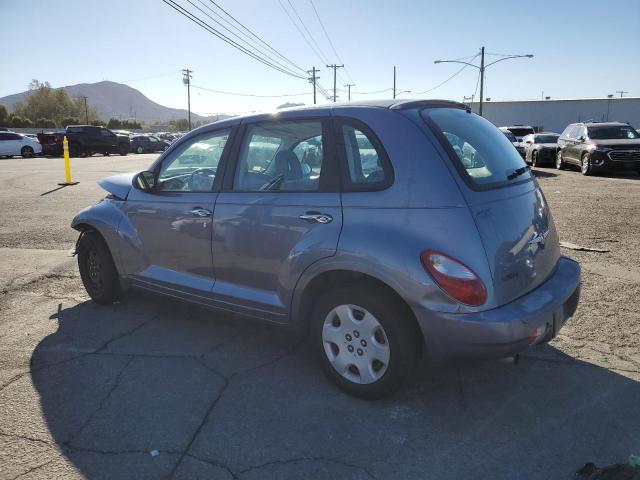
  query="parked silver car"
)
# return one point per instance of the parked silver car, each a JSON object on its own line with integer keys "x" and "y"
{"x": 389, "y": 230}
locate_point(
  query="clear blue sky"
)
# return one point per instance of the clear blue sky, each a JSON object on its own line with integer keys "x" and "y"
{"x": 582, "y": 48}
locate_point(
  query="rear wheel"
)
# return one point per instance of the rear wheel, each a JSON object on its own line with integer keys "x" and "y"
{"x": 97, "y": 270}
{"x": 363, "y": 341}
{"x": 559, "y": 161}
{"x": 139, "y": 149}
{"x": 585, "y": 165}
{"x": 26, "y": 152}
{"x": 123, "y": 149}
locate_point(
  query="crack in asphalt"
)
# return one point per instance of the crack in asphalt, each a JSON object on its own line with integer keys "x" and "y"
{"x": 215, "y": 463}
{"x": 102, "y": 402}
{"x": 33, "y": 469}
{"x": 308, "y": 459}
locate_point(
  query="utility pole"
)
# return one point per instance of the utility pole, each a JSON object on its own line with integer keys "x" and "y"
{"x": 481, "y": 79}
{"x": 313, "y": 80}
{"x": 394, "y": 81}
{"x": 186, "y": 79}
{"x": 482, "y": 68}
{"x": 86, "y": 111}
{"x": 349, "y": 85}
{"x": 335, "y": 68}
{"x": 621, "y": 92}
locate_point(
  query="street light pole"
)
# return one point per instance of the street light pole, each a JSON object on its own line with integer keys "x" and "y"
{"x": 482, "y": 69}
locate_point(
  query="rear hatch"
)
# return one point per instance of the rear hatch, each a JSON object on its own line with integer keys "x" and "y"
{"x": 51, "y": 141}
{"x": 510, "y": 211}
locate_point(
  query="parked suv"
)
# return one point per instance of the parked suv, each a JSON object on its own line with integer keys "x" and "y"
{"x": 389, "y": 230}
{"x": 84, "y": 140}
{"x": 606, "y": 146}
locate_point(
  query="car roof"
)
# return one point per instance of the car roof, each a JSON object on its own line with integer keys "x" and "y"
{"x": 602, "y": 124}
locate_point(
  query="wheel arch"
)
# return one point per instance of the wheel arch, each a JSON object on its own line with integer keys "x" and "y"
{"x": 311, "y": 286}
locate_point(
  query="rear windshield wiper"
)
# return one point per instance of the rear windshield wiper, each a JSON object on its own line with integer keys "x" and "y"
{"x": 517, "y": 172}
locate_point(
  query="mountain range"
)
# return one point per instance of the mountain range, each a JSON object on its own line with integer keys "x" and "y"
{"x": 111, "y": 99}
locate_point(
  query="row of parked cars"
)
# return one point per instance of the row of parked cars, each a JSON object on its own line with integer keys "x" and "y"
{"x": 84, "y": 140}
{"x": 591, "y": 146}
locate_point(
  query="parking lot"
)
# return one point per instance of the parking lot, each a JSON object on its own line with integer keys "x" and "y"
{"x": 152, "y": 388}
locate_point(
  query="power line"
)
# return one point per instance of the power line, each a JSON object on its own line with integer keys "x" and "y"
{"x": 450, "y": 78}
{"x": 249, "y": 94}
{"x": 329, "y": 38}
{"x": 250, "y": 33}
{"x": 187, "y": 14}
{"x": 301, "y": 33}
{"x": 307, "y": 30}
{"x": 259, "y": 52}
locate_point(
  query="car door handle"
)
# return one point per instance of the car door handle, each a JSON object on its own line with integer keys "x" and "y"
{"x": 200, "y": 212}
{"x": 316, "y": 217}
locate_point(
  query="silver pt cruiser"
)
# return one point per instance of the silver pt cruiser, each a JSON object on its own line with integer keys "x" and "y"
{"x": 389, "y": 230}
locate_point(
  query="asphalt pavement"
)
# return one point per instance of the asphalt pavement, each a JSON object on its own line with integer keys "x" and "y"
{"x": 154, "y": 388}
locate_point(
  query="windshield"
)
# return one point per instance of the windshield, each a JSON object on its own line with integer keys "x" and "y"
{"x": 546, "y": 139}
{"x": 616, "y": 132}
{"x": 481, "y": 152}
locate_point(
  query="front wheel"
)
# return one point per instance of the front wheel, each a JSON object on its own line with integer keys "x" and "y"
{"x": 97, "y": 270}
{"x": 559, "y": 161}
{"x": 585, "y": 165}
{"x": 26, "y": 152}
{"x": 534, "y": 159}
{"x": 364, "y": 341}
{"x": 123, "y": 149}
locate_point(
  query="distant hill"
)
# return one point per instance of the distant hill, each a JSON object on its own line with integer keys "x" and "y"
{"x": 113, "y": 99}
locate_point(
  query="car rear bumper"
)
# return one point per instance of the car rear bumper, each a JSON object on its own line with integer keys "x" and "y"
{"x": 505, "y": 331}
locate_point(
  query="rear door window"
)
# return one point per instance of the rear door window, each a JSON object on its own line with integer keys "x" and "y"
{"x": 367, "y": 165}
{"x": 481, "y": 153}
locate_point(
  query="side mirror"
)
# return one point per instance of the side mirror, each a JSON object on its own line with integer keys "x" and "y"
{"x": 529, "y": 141}
{"x": 144, "y": 181}
{"x": 582, "y": 138}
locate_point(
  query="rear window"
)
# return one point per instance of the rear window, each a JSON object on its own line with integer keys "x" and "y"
{"x": 521, "y": 132}
{"x": 482, "y": 154}
{"x": 546, "y": 139}
{"x": 616, "y": 132}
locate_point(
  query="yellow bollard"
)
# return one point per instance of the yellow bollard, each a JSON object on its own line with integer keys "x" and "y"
{"x": 67, "y": 163}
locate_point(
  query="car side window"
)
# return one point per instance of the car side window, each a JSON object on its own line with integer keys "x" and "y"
{"x": 194, "y": 166}
{"x": 280, "y": 156}
{"x": 4, "y": 136}
{"x": 104, "y": 132}
{"x": 367, "y": 165}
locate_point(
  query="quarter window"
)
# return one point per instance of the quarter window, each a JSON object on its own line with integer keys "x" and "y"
{"x": 280, "y": 156}
{"x": 194, "y": 167}
{"x": 364, "y": 161}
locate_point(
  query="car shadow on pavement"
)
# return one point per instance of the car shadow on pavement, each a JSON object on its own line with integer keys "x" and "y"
{"x": 152, "y": 388}
{"x": 543, "y": 173}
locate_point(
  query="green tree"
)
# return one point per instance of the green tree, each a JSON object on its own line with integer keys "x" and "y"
{"x": 3, "y": 115}
{"x": 45, "y": 123}
{"x": 114, "y": 123}
{"x": 179, "y": 125}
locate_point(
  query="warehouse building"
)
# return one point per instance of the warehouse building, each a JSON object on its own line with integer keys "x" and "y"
{"x": 554, "y": 115}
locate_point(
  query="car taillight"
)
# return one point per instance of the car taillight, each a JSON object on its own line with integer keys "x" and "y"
{"x": 455, "y": 278}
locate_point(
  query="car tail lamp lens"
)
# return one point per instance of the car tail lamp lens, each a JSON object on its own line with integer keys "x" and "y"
{"x": 455, "y": 278}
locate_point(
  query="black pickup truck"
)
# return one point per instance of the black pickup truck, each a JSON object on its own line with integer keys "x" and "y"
{"x": 84, "y": 140}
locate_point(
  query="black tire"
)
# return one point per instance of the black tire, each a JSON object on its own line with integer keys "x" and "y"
{"x": 139, "y": 149}
{"x": 123, "y": 149}
{"x": 534, "y": 159}
{"x": 560, "y": 165}
{"x": 586, "y": 168}
{"x": 97, "y": 270}
{"x": 106, "y": 154}
{"x": 74, "y": 150}
{"x": 399, "y": 328}
{"x": 26, "y": 152}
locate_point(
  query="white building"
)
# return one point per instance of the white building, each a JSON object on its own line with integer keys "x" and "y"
{"x": 554, "y": 115}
